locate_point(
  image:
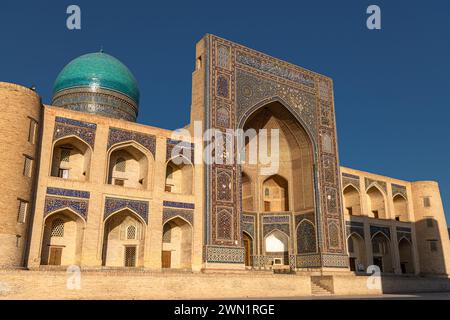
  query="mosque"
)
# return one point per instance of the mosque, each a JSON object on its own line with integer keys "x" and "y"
{"x": 86, "y": 185}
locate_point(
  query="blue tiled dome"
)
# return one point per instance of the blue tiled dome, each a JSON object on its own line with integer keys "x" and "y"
{"x": 97, "y": 83}
{"x": 98, "y": 70}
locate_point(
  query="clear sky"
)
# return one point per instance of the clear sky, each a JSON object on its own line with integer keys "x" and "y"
{"x": 391, "y": 85}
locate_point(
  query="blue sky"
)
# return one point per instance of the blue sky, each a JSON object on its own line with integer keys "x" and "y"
{"x": 391, "y": 85}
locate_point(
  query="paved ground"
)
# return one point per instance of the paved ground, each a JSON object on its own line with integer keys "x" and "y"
{"x": 412, "y": 296}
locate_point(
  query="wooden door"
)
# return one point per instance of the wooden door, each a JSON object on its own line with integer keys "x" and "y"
{"x": 267, "y": 206}
{"x": 352, "y": 264}
{"x": 166, "y": 257}
{"x": 247, "y": 251}
{"x": 55, "y": 256}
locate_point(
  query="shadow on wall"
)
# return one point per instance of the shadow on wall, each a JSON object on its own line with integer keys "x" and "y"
{"x": 410, "y": 256}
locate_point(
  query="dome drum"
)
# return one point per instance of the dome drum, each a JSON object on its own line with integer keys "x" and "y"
{"x": 97, "y": 101}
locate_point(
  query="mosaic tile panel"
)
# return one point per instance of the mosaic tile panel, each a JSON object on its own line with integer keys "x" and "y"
{"x": 369, "y": 182}
{"x": 254, "y": 80}
{"x": 398, "y": 189}
{"x": 403, "y": 232}
{"x": 178, "y": 147}
{"x": 309, "y": 261}
{"x": 180, "y": 205}
{"x": 68, "y": 193}
{"x": 113, "y": 205}
{"x": 169, "y": 213}
{"x": 349, "y": 179}
{"x": 385, "y": 230}
{"x": 53, "y": 204}
{"x": 65, "y": 127}
{"x": 355, "y": 227}
{"x": 116, "y": 136}
{"x": 222, "y": 254}
{"x": 306, "y": 237}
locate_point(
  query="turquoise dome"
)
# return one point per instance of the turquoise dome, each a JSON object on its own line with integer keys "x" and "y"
{"x": 98, "y": 70}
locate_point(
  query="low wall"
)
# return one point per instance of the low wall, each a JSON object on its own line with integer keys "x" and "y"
{"x": 124, "y": 285}
{"x": 51, "y": 284}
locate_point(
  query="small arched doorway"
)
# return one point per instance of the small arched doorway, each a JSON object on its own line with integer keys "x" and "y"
{"x": 176, "y": 244}
{"x": 356, "y": 253}
{"x": 248, "y": 248}
{"x": 276, "y": 248}
{"x": 406, "y": 257}
{"x": 62, "y": 239}
{"x": 382, "y": 256}
{"x": 123, "y": 242}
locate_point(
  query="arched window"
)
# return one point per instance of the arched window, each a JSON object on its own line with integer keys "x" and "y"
{"x": 120, "y": 164}
{"x": 57, "y": 228}
{"x": 131, "y": 233}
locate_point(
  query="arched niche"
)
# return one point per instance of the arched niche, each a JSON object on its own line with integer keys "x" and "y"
{"x": 400, "y": 208}
{"x": 382, "y": 253}
{"x": 62, "y": 238}
{"x": 129, "y": 166}
{"x": 357, "y": 252}
{"x": 179, "y": 176}
{"x": 276, "y": 246}
{"x": 376, "y": 202}
{"x": 177, "y": 244}
{"x": 352, "y": 201}
{"x": 293, "y": 155}
{"x": 275, "y": 194}
{"x": 123, "y": 240}
{"x": 247, "y": 193}
{"x": 406, "y": 256}
{"x": 71, "y": 159}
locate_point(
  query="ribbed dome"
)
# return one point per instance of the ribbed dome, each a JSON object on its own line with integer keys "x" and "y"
{"x": 98, "y": 70}
{"x": 98, "y": 83}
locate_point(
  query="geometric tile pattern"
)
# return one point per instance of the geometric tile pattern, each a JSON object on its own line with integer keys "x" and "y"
{"x": 67, "y": 127}
{"x": 68, "y": 193}
{"x": 239, "y": 81}
{"x": 53, "y": 204}
{"x": 113, "y": 205}
{"x": 116, "y": 135}
{"x": 169, "y": 213}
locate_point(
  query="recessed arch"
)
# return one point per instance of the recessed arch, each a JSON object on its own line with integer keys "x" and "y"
{"x": 71, "y": 158}
{"x": 248, "y": 242}
{"x": 352, "y": 200}
{"x": 135, "y": 168}
{"x": 356, "y": 252}
{"x": 406, "y": 255}
{"x": 248, "y": 194}
{"x": 275, "y": 194}
{"x": 177, "y": 244}
{"x": 63, "y": 247}
{"x": 179, "y": 176}
{"x": 376, "y": 202}
{"x": 119, "y": 250}
{"x": 276, "y": 246}
{"x": 382, "y": 253}
{"x": 306, "y": 237}
{"x": 296, "y": 154}
{"x": 400, "y": 207}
